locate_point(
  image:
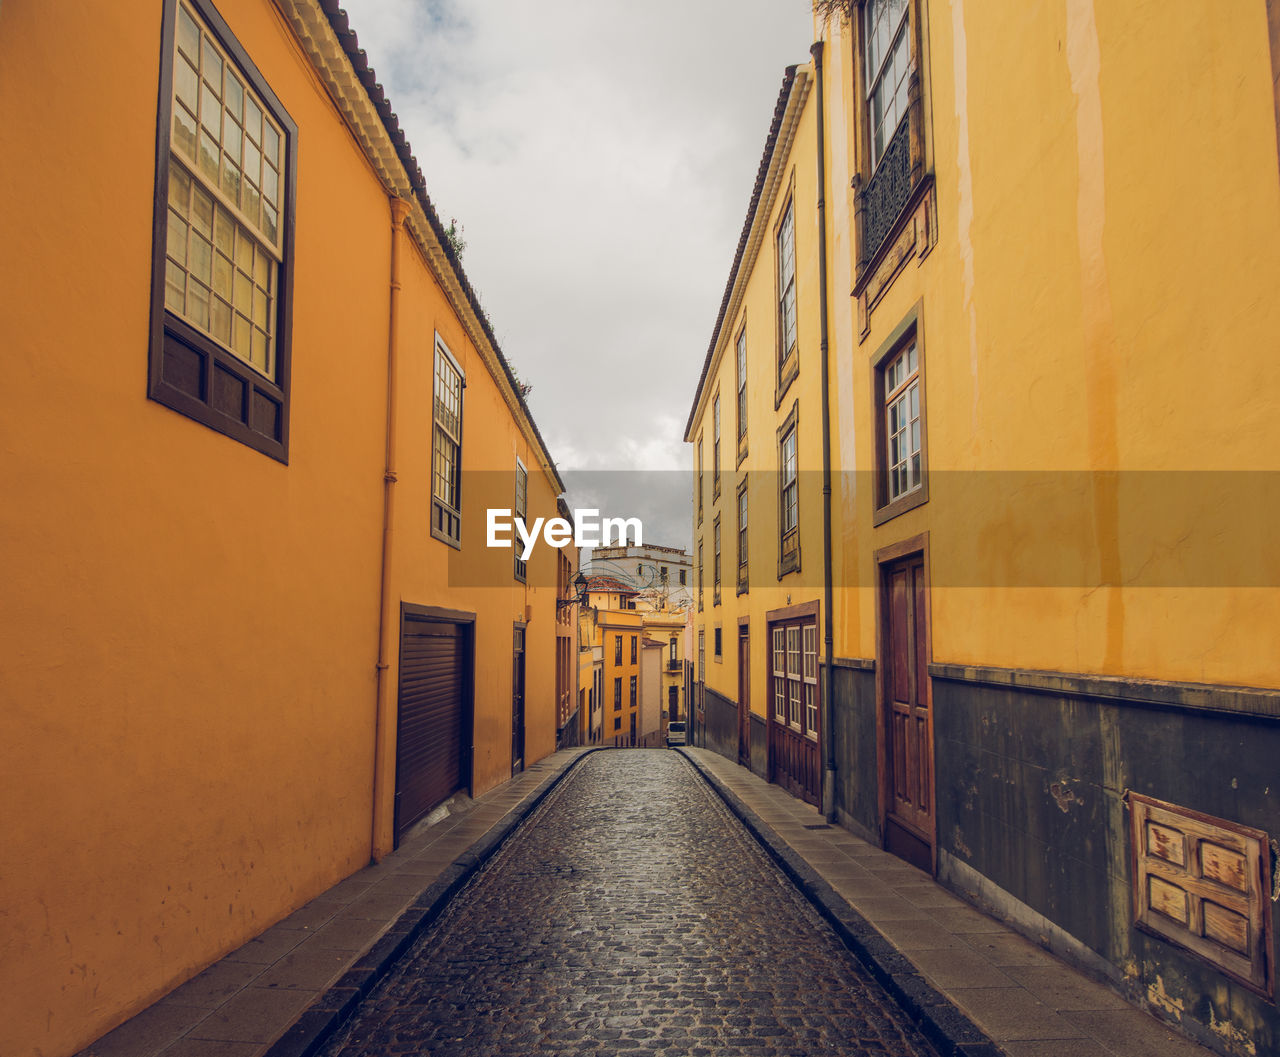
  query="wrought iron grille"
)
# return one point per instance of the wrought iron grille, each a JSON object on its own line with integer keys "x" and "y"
{"x": 887, "y": 191}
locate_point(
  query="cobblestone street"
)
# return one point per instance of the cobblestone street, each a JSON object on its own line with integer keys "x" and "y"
{"x": 633, "y": 916}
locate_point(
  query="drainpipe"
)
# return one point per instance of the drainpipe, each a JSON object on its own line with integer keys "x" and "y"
{"x": 387, "y": 623}
{"x": 828, "y": 592}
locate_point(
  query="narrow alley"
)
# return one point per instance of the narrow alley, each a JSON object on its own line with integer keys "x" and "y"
{"x": 632, "y": 914}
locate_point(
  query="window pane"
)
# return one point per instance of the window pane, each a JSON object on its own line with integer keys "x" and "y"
{"x": 186, "y": 84}
{"x": 200, "y": 263}
{"x": 234, "y": 95}
{"x": 220, "y": 321}
{"x": 198, "y": 303}
{"x": 212, "y": 63}
{"x": 253, "y": 119}
{"x": 188, "y": 33}
{"x": 240, "y": 337}
{"x": 210, "y": 111}
{"x": 209, "y": 156}
{"x": 231, "y": 137}
{"x": 176, "y": 241}
{"x": 202, "y": 212}
{"x": 175, "y": 287}
{"x": 184, "y": 131}
{"x": 271, "y": 144}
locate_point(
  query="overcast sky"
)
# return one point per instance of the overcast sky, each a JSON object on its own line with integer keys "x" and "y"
{"x": 600, "y": 158}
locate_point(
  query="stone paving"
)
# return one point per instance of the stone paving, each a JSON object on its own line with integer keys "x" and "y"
{"x": 632, "y": 915}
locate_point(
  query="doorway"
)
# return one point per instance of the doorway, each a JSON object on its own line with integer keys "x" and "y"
{"x": 905, "y": 727}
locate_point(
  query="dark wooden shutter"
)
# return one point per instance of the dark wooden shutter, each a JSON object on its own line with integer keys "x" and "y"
{"x": 431, "y": 750}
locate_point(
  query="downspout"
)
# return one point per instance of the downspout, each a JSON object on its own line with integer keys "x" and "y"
{"x": 828, "y": 591}
{"x": 387, "y": 623}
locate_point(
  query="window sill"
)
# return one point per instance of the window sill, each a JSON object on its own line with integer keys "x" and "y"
{"x": 902, "y": 504}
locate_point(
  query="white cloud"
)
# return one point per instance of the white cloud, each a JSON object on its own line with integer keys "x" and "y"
{"x": 600, "y": 158}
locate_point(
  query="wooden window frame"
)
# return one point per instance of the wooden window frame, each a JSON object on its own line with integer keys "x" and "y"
{"x": 520, "y": 509}
{"x": 698, "y": 480}
{"x": 744, "y": 570}
{"x": 635, "y": 649}
{"x": 715, "y": 447}
{"x": 617, "y": 649}
{"x": 189, "y": 371}
{"x": 909, "y": 331}
{"x": 446, "y": 519}
{"x": 717, "y": 644}
{"x": 740, "y": 369}
{"x": 633, "y": 692}
{"x": 788, "y": 539}
{"x": 787, "y": 356}
{"x": 873, "y": 79}
{"x": 700, "y": 576}
{"x": 715, "y": 561}
{"x": 617, "y": 693}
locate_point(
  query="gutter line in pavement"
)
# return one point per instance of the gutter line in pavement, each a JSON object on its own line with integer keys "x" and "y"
{"x": 941, "y": 1021}
{"x": 334, "y": 1008}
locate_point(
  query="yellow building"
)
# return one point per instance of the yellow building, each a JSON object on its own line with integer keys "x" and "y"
{"x": 252, "y": 419}
{"x": 618, "y": 628}
{"x": 1033, "y": 266}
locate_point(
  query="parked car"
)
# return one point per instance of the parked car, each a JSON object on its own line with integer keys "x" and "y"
{"x": 675, "y": 733}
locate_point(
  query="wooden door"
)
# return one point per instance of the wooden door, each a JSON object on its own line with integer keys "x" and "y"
{"x": 517, "y": 701}
{"x": 907, "y": 724}
{"x": 744, "y": 697}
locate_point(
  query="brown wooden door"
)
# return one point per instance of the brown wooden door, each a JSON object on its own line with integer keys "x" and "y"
{"x": 517, "y": 701}
{"x": 744, "y": 698}
{"x": 908, "y": 755}
{"x": 795, "y": 710}
{"x": 432, "y": 735}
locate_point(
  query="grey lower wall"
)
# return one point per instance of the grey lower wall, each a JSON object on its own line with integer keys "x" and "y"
{"x": 1032, "y": 771}
{"x": 721, "y": 731}
{"x": 853, "y": 693}
{"x": 760, "y": 746}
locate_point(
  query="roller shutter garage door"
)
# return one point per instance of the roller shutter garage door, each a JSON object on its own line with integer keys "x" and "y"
{"x": 432, "y": 730}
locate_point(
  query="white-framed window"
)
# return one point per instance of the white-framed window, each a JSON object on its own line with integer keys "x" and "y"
{"x": 699, "y": 575}
{"x": 698, "y": 480}
{"x": 795, "y": 676}
{"x": 715, "y": 446}
{"x": 742, "y": 383}
{"x": 786, "y": 247}
{"x": 902, "y": 423}
{"x": 888, "y": 65}
{"x": 809, "y": 674}
{"x": 521, "y": 510}
{"x": 715, "y": 569}
{"x": 742, "y": 534}
{"x": 779, "y": 675}
{"x": 790, "y": 484}
{"x": 446, "y": 448}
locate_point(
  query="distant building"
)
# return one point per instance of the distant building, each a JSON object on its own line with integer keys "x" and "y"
{"x": 660, "y": 576}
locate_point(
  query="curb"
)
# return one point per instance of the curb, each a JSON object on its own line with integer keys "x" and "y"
{"x": 332, "y": 1009}
{"x": 941, "y": 1021}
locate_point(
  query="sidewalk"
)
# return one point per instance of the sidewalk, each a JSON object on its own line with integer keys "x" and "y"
{"x": 278, "y": 993}
{"x": 1025, "y": 1000}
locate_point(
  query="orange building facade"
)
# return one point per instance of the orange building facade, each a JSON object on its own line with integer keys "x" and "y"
{"x": 252, "y": 419}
